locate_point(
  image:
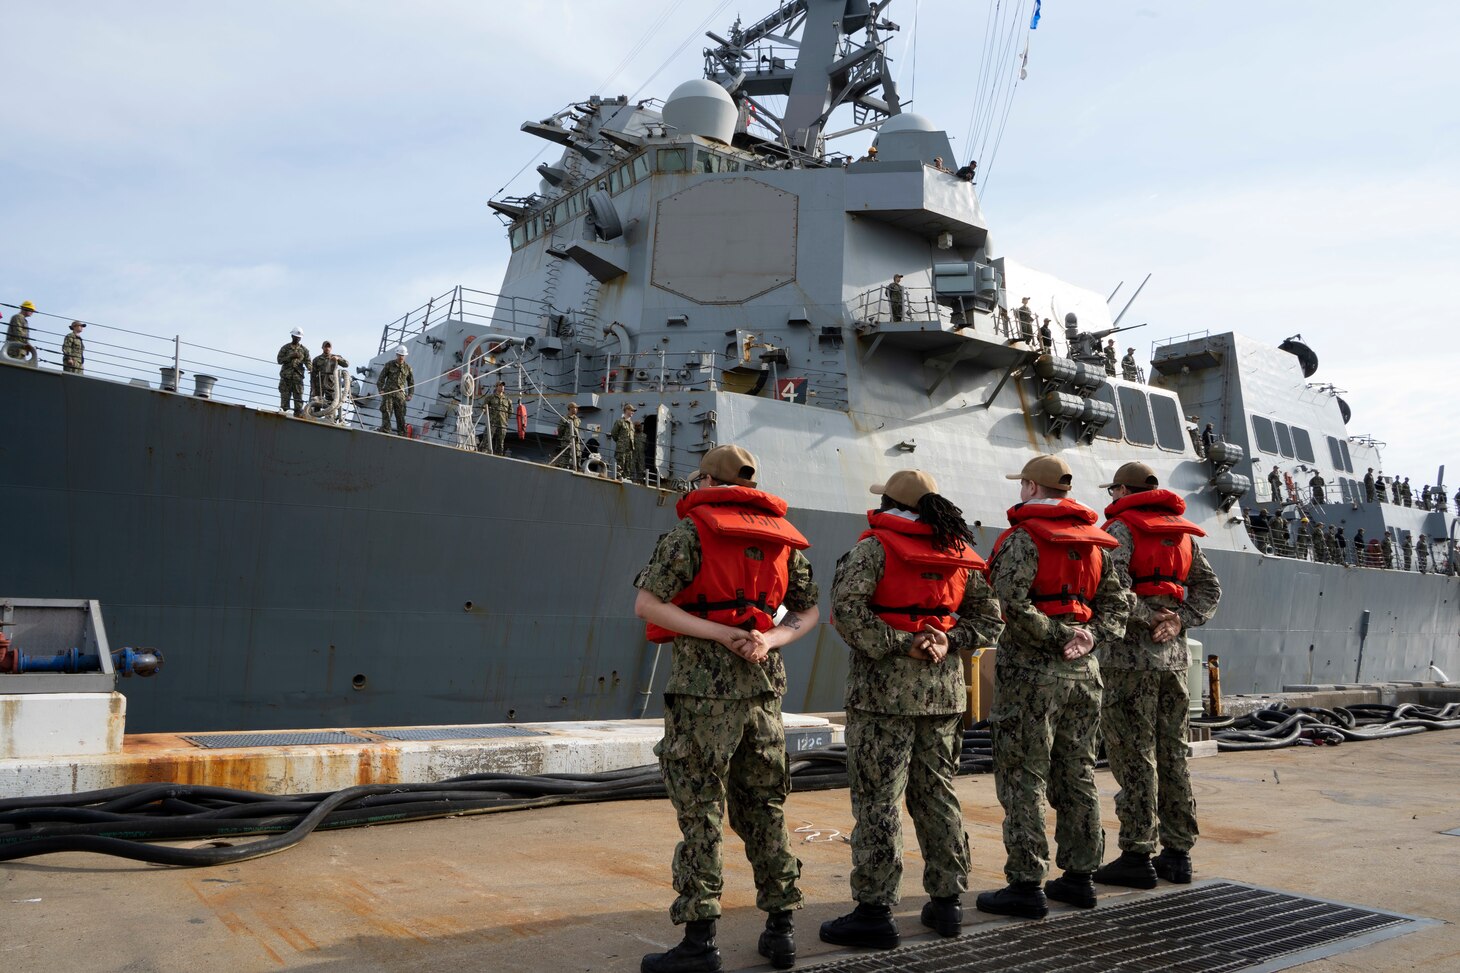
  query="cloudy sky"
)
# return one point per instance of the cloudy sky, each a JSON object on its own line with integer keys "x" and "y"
{"x": 230, "y": 170}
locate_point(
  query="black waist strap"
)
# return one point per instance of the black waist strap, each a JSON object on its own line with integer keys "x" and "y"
{"x": 1158, "y": 576}
{"x": 914, "y": 610}
{"x": 1063, "y": 596}
{"x": 703, "y": 607}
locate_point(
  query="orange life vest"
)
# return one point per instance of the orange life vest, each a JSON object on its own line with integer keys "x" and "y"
{"x": 1067, "y": 539}
{"x": 920, "y": 584}
{"x": 745, "y": 543}
{"x": 1160, "y": 558}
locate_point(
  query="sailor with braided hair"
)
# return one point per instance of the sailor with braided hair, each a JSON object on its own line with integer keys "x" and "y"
{"x": 906, "y": 598}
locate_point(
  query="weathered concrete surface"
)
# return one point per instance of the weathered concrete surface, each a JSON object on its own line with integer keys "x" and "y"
{"x": 586, "y": 887}
{"x": 588, "y": 747}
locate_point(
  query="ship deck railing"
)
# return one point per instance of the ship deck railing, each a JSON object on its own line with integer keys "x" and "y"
{"x": 920, "y": 304}
{"x": 149, "y": 361}
{"x": 475, "y": 307}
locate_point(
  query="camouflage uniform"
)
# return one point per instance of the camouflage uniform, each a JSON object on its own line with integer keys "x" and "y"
{"x": 1145, "y": 708}
{"x": 395, "y": 384}
{"x": 499, "y": 414}
{"x": 724, "y": 744}
{"x": 1304, "y": 539}
{"x": 570, "y": 441}
{"x": 322, "y": 373}
{"x": 1320, "y": 545}
{"x": 1388, "y": 550}
{"x": 626, "y": 449}
{"x": 293, "y": 358}
{"x": 904, "y": 732}
{"x": 73, "y": 354}
{"x": 1131, "y": 372}
{"x": 1110, "y": 359}
{"x": 1407, "y": 546}
{"x": 1046, "y": 718}
{"x": 18, "y": 333}
{"x": 1422, "y": 554}
{"x": 1026, "y": 323}
{"x": 895, "y": 298}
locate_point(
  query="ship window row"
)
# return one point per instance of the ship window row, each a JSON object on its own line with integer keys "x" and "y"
{"x": 1143, "y": 420}
{"x": 690, "y": 158}
{"x": 1338, "y": 451}
{"x": 615, "y": 181}
{"x": 1279, "y": 439}
{"x": 1350, "y": 490}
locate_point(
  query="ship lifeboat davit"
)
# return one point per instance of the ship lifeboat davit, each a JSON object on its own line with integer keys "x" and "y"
{"x": 1305, "y": 355}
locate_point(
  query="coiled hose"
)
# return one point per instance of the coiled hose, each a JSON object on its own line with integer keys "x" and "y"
{"x": 1283, "y": 726}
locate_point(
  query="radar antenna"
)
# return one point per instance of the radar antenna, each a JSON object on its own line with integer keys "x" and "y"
{"x": 817, "y": 72}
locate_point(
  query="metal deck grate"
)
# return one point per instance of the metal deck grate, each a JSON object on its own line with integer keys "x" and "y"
{"x": 1213, "y": 927}
{"x": 456, "y": 733}
{"x": 289, "y": 738}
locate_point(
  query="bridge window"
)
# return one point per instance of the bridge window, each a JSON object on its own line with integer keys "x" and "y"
{"x": 1266, "y": 441}
{"x": 641, "y": 166}
{"x": 1338, "y": 449}
{"x": 1285, "y": 440}
{"x": 1303, "y": 444}
{"x": 1111, "y": 430}
{"x": 1168, "y": 423}
{"x": 1348, "y": 464}
{"x": 672, "y": 160}
{"x": 1137, "y": 416}
{"x": 1343, "y": 486}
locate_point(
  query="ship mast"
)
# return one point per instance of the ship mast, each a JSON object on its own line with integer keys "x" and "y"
{"x": 804, "y": 52}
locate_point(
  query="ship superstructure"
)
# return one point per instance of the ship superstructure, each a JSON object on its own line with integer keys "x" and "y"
{"x": 725, "y": 270}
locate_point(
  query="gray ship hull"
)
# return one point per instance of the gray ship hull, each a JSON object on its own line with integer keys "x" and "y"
{"x": 301, "y": 575}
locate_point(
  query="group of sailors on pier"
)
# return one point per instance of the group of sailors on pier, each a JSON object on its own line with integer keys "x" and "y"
{"x": 729, "y": 587}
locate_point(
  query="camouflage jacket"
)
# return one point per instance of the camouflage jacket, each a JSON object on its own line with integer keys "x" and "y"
{"x": 567, "y": 428}
{"x": 701, "y": 667}
{"x": 623, "y": 433}
{"x": 396, "y": 377}
{"x": 19, "y": 330}
{"x": 499, "y": 408}
{"x": 882, "y": 677}
{"x": 1137, "y": 650}
{"x": 322, "y": 371}
{"x": 293, "y": 358}
{"x": 1034, "y": 640}
{"x": 73, "y": 351}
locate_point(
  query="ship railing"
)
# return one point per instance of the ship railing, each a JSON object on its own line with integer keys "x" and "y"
{"x": 873, "y": 306}
{"x": 473, "y": 307}
{"x": 158, "y": 361}
{"x": 1178, "y": 339}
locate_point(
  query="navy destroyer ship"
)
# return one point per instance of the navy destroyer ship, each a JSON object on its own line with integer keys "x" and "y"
{"x": 716, "y": 262}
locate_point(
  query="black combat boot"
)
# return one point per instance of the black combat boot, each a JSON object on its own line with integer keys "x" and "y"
{"x": 1173, "y": 866}
{"x": 1072, "y": 888}
{"x": 866, "y": 927}
{"x": 944, "y": 915}
{"x": 696, "y": 954}
{"x": 1023, "y": 899}
{"x": 778, "y": 942}
{"x": 1132, "y": 870}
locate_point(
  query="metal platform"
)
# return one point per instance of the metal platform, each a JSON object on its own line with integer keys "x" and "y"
{"x": 455, "y": 733}
{"x": 284, "y": 738}
{"x": 1212, "y": 927}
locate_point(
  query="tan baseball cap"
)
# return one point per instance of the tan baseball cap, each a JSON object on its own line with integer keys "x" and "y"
{"x": 730, "y": 464}
{"x": 1134, "y": 475}
{"x": 1048, "y": 471}
{"x": 907, "y": 487}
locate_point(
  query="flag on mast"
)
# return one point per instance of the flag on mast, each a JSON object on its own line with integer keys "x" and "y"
{"x": 1034, "y": 21}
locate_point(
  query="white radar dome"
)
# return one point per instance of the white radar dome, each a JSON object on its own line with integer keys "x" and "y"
{"x": 701, "y": 107}
{"x": 907, "y": 122}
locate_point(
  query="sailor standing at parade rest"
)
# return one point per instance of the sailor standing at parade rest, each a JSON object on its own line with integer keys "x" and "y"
{"x": 1061, "y": 596}
{"x": 906, "y": 598}
{"x": 713, "y": 587}
{"x": 1144, "y": 711}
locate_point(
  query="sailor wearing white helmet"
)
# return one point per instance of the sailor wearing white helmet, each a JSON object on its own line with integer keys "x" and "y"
{"x": 293, "y": 359}
{"x": 396, "y": 385}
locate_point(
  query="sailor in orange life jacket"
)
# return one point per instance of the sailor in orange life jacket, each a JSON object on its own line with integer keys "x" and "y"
{"x": 1144, "y": 709}
{"x": 1061, "y": 596}
{"x": 906, "y": 597}
{"x": 713, "y": 587}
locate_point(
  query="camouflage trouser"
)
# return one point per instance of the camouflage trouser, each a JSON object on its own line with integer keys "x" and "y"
{"x": 1044, "y": 730}
{"x": 887, "y": 757}
{"x": 291, "y": 388}
{"x": 499, "y": 436}
{"x": 1144, "y": 718}
{"x": 719, "y": 752}
{"x": 626, "y": 462}
{"x": 393, "y": 403}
